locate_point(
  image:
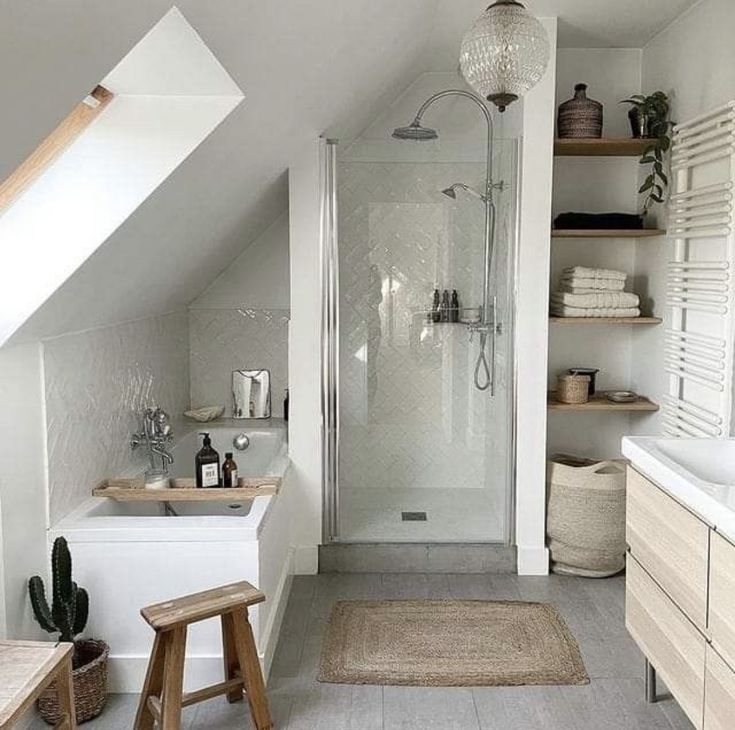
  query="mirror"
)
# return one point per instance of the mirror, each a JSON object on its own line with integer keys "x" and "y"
{"x": 251, "y": 394}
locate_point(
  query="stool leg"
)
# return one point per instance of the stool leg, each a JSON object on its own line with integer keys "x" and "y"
{"x": 153, "y": 684}
{"x": 173, "y": 679}
{"x": 250, "y": 668}
{"x": 230, "y": 655}
{"x": 65, "y": 692}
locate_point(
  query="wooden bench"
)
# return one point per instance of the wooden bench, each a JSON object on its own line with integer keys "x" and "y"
{"x": 27, "y": 668}
{"x": 163, "y": 697}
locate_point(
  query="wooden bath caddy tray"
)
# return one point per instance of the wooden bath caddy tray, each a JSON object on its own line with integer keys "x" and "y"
{"x": 185, "y": 490}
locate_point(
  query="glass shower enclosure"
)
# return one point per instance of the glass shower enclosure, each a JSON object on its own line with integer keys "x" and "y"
{"x": 414, "y": 451}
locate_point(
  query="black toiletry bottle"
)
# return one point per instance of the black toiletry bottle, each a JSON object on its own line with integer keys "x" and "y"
{"x": 435, "y": 315}
{"x": 285, "y": 407}
{"x": 454, "y": 309}
{"x": 444, "y": 307}
{"x": 229, "y": 471}
{"x": 207, "y": 465}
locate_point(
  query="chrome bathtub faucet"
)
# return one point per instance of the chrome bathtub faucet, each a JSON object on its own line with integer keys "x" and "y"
{"x": 156, "y": 433}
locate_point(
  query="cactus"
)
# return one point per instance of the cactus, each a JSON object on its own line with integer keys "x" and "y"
{"x": 69, "y": 609}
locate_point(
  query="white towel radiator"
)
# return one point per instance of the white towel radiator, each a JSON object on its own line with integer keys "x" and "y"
{"x": 700, "y": 283}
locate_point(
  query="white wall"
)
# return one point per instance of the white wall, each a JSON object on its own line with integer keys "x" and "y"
{"x": 22, "y": 484}
{"x": 532, "y": 318}
{"x": 97, "y": 383}
{"x": 241, "y": 321}
{"x": 694, "y": 59}
{"x": 304, "y": 426}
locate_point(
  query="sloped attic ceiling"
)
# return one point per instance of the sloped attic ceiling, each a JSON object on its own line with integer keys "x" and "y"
{"x": 305, "y": 66}
{"x": 297, "y": 63}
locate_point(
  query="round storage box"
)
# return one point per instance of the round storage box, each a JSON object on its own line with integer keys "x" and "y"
{"x": 585, "y": 522}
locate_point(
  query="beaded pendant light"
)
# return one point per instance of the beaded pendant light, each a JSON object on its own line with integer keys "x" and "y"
{"x": 504, "y": 53}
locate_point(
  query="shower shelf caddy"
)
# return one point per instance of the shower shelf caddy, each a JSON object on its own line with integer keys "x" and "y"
{"x": 699, "y": 290}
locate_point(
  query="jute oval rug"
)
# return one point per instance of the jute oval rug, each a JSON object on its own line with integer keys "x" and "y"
{"x": 447, "y": 643}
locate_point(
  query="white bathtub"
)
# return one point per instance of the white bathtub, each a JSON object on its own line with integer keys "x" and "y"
{"x": 131, "y": 554}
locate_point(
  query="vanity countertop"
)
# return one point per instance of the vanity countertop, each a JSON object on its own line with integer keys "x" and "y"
{"x": 699, "y": 473}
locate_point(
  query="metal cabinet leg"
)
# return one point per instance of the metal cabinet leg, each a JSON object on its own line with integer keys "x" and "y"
{"x": 650, "y": 683}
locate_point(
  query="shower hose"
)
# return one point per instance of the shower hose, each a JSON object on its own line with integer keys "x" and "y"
{"x": 483, "y": 378}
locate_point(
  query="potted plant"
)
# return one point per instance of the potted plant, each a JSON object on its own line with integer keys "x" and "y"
{"x": 649, "y": 119}
{"x": 67, "y": 617}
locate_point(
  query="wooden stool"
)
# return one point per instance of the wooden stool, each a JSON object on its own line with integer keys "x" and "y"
{"x": 163, "y": 697}
{"x": 26, "y": 670}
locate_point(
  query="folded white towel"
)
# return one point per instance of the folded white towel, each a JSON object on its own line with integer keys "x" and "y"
{"x": 574, "y": 283}
{"x": 583, "y": 272}
{"x": 559, "y": 310}
{"x": 614, "y": 299}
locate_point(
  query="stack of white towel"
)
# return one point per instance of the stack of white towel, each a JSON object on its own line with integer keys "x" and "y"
{"x": 587, "y": 292}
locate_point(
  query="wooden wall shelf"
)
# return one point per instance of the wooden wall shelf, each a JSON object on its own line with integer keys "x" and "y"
{"x": 598, "y": 402}
{"x": 616, "y": 233}
{"x": 610, "y": 147}
{"x": 606, "y": 320}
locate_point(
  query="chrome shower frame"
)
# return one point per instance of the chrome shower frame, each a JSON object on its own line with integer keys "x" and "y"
{"x": 488, "y": 324}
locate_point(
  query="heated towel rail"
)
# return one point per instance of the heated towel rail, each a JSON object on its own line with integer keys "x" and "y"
{"x": 700, "y": 279}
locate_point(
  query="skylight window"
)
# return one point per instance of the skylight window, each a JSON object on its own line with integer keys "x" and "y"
{"x": 53, "y": 146}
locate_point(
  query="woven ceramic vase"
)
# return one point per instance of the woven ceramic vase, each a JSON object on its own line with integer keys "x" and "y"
{"x": 580, "y": 116}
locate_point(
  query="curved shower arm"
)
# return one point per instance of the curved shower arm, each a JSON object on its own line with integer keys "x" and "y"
{"x": 485, "y": 112}
{"x": 487, "y": 321}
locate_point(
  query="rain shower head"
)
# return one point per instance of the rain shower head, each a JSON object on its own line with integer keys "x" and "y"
{"x": 451, "y": 192}
{"x": 415, "y": 132}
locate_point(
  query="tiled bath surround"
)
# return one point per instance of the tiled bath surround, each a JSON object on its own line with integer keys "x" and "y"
{"x": 223, "y": 340}
{"x": 97, "y": 382}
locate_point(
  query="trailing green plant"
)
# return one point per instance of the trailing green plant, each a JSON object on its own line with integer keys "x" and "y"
{"x": 653, "y": 115}
{"x": 69, "y": 610}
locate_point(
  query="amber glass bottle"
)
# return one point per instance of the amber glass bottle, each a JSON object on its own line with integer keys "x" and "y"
{"x": 229, "y": 471}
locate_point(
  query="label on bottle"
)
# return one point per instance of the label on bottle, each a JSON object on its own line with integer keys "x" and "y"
{"x": 233, "y": 478}
{"x": 210, "y": 475}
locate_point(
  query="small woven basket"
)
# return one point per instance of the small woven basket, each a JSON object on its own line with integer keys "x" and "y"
{"x": 573, "y": 388}
{"x": 580, "y": 116}
{"x": 89, "y": 681}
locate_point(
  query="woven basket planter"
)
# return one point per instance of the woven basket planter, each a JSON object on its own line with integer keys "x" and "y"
{"x": 585, "y": 522}
{"x": 90, "y": 684}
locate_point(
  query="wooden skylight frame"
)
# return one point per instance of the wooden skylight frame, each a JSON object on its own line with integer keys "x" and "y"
{"x": 70, "y": 128}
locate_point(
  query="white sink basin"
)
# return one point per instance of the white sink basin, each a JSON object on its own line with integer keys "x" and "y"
{"x": 698, "y": 472}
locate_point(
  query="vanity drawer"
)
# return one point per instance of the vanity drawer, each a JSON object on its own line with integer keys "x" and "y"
{"x": 667, "y": 638}
{"x": 670, "y": 543}
{"x": 722, "y": 597}
{"x": 719, "y": 703}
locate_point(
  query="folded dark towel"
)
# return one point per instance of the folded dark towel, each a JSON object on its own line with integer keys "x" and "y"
{"x": 598, "y": 221}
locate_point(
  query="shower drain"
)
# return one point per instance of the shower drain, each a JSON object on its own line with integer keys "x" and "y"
{"x": 413, "y": 516}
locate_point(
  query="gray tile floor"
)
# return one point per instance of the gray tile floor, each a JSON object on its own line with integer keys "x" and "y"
{"x": 594, "y": 611}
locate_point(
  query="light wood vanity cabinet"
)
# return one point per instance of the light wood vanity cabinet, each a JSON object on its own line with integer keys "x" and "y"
{"x": 722, "y": 598}
{"x": 668, "y": 639}
{"x": 719, "y": 704}
{"x": 670, "y": 543}
{"x": 680, "y": 602}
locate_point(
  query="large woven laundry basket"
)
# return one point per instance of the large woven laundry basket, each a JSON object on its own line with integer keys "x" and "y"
{"x": 585, "y": 522}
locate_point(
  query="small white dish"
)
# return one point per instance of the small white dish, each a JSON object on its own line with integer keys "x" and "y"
{"x": 205, "y": 414}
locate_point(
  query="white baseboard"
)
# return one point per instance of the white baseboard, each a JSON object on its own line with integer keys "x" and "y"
{"x": 306, "y": 560}
{"x": 533, "y": 560}
{"x": 127, "y": 673}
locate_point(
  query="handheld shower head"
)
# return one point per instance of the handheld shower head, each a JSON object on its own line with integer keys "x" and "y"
{"x": 415, "y": 132}
{"x": 451, "y": 192}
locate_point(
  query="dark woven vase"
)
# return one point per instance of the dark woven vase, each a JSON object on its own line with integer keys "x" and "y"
{"x": 580, "y": 116}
